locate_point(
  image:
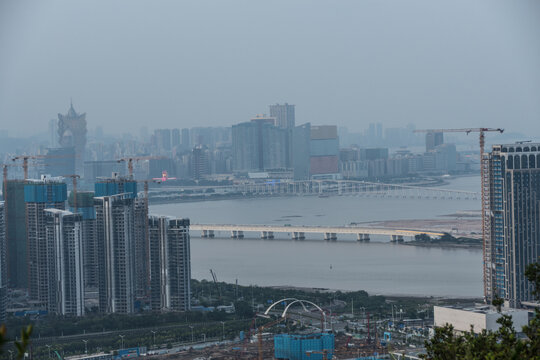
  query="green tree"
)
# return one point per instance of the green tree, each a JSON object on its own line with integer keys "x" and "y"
{"x": 497, "y": 345}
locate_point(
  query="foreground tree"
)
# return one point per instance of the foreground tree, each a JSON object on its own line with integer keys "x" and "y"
{"x": 500, "y": 344}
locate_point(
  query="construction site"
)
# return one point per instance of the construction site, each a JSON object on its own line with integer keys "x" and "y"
{"x": 290, "y": 335}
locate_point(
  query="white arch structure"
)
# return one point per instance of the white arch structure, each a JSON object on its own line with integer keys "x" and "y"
{"x": 301, "y": 302}
{"x": 277, "y": 303}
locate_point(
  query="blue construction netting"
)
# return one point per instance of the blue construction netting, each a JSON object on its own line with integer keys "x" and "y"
{"x": 113, "y": 188}
{"x": 45, "y": 193}
{"x": 297, "y": 347}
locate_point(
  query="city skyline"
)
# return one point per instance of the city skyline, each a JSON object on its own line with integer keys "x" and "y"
{"x": 285, "y": 179}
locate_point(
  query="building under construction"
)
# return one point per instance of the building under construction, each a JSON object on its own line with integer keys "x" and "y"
{"x": 39, "y": 195}
{"x": 115, "y": 243}
{"x": 170, "y": 267}
{"x": 85, "y": 206}
{"x": 317, "y": 346}
{"x": 15, "y": 215}
{"x": 126, "y": 185}
{"x": 3, "y": 267}
{"x": 65, "y": 255}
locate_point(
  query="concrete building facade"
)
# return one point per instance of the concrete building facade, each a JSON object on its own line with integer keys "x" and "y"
{"x": 47, "y": 193}
{"x": 3, "y": 265}
{"x": 480, "y": 317}
{"x": 15, "y": 232}
{"x": 65, "y": 251}
{"x": 170, "y": 264}
{"x": 115, "y": 230}
{"x": 511, "y": 222}
{"x": 259, "y": 145}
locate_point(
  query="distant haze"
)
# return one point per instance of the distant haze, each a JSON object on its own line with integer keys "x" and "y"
{"x": 127, "y": 64}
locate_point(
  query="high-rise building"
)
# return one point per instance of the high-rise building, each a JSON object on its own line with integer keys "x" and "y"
{"x": 324, "y": 151}
{"x": 162, "y": 139}
{"x": 72, "y": 133}
{"x": 259, "y": 145}
{"x": 200, "y": 162}
{"x": 170, "y": 267}
{"x": 284, "y": 115}
{"x": 434, "y": 139}
{"x": 53, "y": 133}
{"x": 15, "y": 229}
{"x": 186, "y": 139}
{"x": 115, "y": 217}
{"x": 142, "y": 273}
{"x": 85, "y": 207}
{"x": 511, "y": 220}
{"x": 301, "y": 151}
{"x": 3, "y": 265}
{"x": 65, "y": 262}
{"x": 176, "y": 139}
{"x": 39, "y": 195}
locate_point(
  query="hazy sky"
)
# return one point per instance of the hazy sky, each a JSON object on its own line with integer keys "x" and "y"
{"x": 452, "y": 63}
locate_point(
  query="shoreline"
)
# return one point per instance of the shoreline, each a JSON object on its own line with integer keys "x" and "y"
{"x": 443, "y": 246}
{"x": 389, "y": 295}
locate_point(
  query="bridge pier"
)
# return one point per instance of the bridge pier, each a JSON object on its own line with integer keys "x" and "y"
{"x": 234, "y": 234}
{"x": 397, "y": 238}
{"x": 240, "y": 234}
{"x": 270, "y": 234}
{"x": 207, "y": 234}
{"x": 298, "y": 235}
{"x": 363, "y": 237}
{"x": 330, "y": 236}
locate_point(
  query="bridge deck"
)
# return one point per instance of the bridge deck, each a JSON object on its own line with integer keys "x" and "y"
{"x": 313, "y": 229}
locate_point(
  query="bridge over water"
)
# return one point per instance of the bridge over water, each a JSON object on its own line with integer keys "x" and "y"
{"x": 298, "y": 232}
{"x": 323, "y": 188}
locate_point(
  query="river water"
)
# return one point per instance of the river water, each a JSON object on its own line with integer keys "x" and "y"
{"x": 378, "y": 267}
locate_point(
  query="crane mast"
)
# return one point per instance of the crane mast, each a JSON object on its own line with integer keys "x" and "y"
{"x": 486, "y": 222}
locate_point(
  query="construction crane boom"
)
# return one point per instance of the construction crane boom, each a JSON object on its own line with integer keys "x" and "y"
{"x": 260, "y": 334}
{"x": 485, "y": 224}
{"x": 25, "y": 159}
{"x": 131, "y": 159}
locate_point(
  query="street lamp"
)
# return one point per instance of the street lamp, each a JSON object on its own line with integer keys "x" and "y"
{"x": 154, "y": 333}
{"x": 191, "y": 327}
{"x": 222, "y": 330}
{"x": 122, "y": 337}
{"x": 85, "y": 346}
{"x": 48, "y": 347}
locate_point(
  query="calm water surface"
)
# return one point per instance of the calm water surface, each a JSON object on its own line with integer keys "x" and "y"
{"x": 377, "y": 267}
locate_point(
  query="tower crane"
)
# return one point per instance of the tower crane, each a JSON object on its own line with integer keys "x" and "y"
{"x": 481, "y": 132}
{"x": 131, "y": 159}
{"x": 260, "y": 330}
{"x": 467, "y": 131}
{"x": 25, "y": 159}
{"x": 324, "y": 353}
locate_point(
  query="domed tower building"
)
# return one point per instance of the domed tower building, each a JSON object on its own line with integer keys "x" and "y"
{"x": 72, "y": 134}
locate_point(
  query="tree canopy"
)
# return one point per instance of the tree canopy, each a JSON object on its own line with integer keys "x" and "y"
{"x": 493, "y": 345}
